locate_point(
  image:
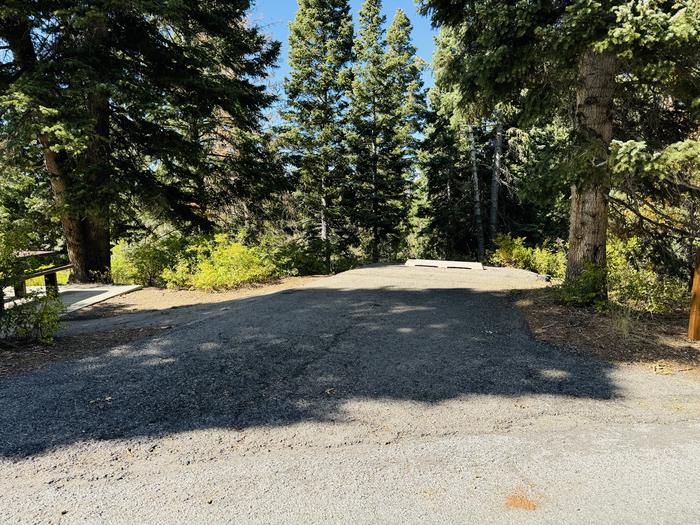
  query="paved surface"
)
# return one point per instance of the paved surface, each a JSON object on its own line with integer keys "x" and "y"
{"x": 78, "y": 296}
{"x": 381, "y": 395}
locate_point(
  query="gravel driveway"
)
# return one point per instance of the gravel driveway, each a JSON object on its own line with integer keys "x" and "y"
{"x": 386, "y": 394}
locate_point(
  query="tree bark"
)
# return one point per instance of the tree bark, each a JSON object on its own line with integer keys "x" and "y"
{"x": 96, "y": 217}
{"x": 86, "y": 233}
{"x": 589, "y": 196}
{"x": 496, "y": 181}
{"x": 477, "y": 197}
{"x": 324, "y": 235}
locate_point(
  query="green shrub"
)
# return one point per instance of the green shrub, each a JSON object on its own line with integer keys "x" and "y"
{"x": 143, "y": 262}
{"x": 634, "y": 283}
{"x": 35, "y": 319}
{"x": 586, "y": 290}
{"x": 291, "y": 256}
{"x": 219, "y": 265}
{"x": 511, "y": 251}
{"x": 549, "y": 262}
{"x": 61, "y": 276}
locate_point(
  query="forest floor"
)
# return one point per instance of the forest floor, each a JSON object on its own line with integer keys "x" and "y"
{"x": 658, "y": 342}
{"x": 387, "y": 394}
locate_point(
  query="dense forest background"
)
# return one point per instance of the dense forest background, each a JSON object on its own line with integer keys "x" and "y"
{"x": 562, "y": 137}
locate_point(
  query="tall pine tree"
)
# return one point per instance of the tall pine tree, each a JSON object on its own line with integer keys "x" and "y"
{"x": 116, "y": 105}
{"x": 386, "y": 111}
{"x": 579, "y": 56}
{"x": 320, "y": 55}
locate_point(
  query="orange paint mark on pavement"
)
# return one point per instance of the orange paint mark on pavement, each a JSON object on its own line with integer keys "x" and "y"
{"x": 520, "y": 501}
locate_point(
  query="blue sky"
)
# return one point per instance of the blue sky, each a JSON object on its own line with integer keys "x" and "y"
{"x": 274, "y": 17}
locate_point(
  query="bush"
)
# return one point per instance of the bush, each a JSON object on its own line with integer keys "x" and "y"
{"x": 220, "y": 264}
{"x": 511, "y": 251}
{"x": 62, "y": 277}
{"x": 548, "y": 262}
{"x": 291, "y": 256}
{"x": 544, "y": 260}
{"x": 36, "y": 319}
{"x": 634, "y": 283}
{"x": 143, "y": 262}
{"x": 586, "y": 290}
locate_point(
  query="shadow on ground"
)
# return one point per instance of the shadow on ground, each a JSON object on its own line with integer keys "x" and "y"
{"x": 294, "y": 356}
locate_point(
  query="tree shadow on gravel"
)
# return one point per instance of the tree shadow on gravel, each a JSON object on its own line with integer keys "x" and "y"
{"x": 297, "y": 355}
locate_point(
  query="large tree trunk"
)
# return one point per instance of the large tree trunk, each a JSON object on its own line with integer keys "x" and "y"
{"x": 96, "y": 216}
{"x": 496, "y": 181}
{"x": 86, "y": 232}
{"x": 477, "y": 197}
{"x": 589, "y": 196}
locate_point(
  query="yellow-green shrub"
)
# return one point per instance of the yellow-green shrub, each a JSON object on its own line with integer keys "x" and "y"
{"x": 635, "y": 284}
{"x": 219, "y": 265}
{"x": 143, "y": 262}
{"x": 512, "y": 251}
{"x": 61, "y": 276}
{"x": 548, "y": 261}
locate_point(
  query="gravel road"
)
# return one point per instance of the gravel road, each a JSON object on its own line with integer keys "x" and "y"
{"x": 386, "y": 394}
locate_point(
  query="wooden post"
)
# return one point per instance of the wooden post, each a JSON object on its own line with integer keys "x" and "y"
{"x": 694, "y": 324}
{"x": 51, "y": 282}
{"x": 20, "y": 290}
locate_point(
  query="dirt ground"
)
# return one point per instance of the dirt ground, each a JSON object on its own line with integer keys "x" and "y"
{"x": 658, "y": 342}
{"x": 162, "y": 299}
{"x": 23, "y": 357}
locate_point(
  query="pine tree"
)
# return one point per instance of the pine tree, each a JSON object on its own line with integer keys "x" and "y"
{"x": 452, "y": 153}
{"x": 116, "y": 105}
{"x": 557, "y": 55}
{"x": 386, "y": 105}
{"x": 320, "y": 55}
{"x": 446, "y": 168}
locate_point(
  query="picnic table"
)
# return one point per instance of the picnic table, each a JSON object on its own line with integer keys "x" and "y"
{"x": 19, "y": 282}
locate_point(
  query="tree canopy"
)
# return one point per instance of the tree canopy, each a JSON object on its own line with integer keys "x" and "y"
{"x": 131, "y": 106}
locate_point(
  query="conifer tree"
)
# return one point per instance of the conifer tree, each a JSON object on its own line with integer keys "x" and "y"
{"x": 558, "y": 56}
{"x": 386, "y": 111}
{"x": 320, "y": 55}
{"x": 117, "y": 105}
{"x": 445, "y": 165}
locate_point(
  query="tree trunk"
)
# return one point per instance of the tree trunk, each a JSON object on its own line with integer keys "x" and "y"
{"x": 96, "y": 219}
{"x": 588, "y": 229}
{"x": 589, "y": 196}
{"x": 496, "y": 181}
{"x": 375, "y": 206}
{"x": 86, "y": 233}
{"x": 324, "y": 232}
{"x": 477, "y": 197}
